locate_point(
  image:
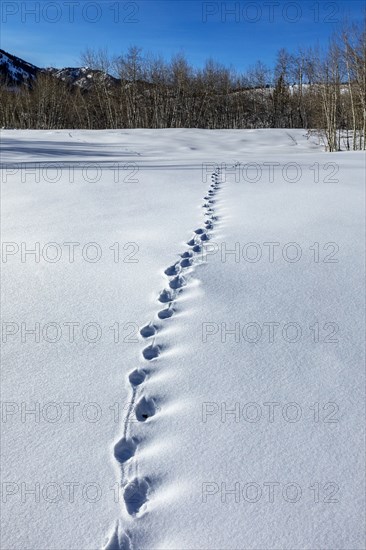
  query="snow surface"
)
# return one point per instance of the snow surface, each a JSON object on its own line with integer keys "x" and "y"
{"x": 172, "y": 450}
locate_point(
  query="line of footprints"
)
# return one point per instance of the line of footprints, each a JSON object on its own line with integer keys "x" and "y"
{"x": 135, "y": 492}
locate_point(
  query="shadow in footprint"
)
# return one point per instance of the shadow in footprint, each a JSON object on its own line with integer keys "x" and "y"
{"x": 187, "y": 254}
{"x": 145, "y": 408}
{"x": 166, "y": 313}
{"x": 148, "y": 330}
{"x": 186, "y": 262}
{"x": 197, "y": 248}
{"x": 151, "y": 352}
{"x": 166, "y": 296}
{"x": 137, "y": 377}
{"x": 177, "y": 282}
{"x": 172, "y": 270}
{"x": 125, "y": 449}
{"x": 135, "y": 495}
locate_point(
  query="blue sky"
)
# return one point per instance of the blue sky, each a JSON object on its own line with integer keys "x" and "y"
{"x": 54, "y": 33}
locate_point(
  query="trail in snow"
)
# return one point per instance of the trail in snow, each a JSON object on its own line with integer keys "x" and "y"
{"x": 209, "y": 375}
{"x": 142, "y": 407}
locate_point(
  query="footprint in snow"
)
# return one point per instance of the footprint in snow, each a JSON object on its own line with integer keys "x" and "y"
{"x": 166, "y": 295}
{"x": 186, "y": 262}
{"x": 137, "y": 377}
{"x": 172, "y": 270}
{"x": 166, "y": 313}
{"x": 177, "y": 282}
{"x": 135, "y": 495}
{"x": 148, "y": 330}
{"x": 125, "y": 449}
{"x": 151, "y": 352}
{"x": 144, "y": 409}
{"x": 187, "y": 254}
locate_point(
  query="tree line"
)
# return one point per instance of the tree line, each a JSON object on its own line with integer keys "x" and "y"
{"x": 311, "y": 89}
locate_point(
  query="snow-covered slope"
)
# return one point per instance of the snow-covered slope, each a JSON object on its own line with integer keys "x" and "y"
{"x": 242, "y": 422}
{"x": 84, "y": 77}
{"x": 14, "y": 70}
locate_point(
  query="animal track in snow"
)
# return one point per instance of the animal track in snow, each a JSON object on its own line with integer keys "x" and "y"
{"x": 125, "y": 449}
{"x": 151, "y": 352}
{"x": 166, "y": 296}
{"x": 186, "y": 262}
{"x": 187, "y": 254}
{"x": 166, "y": 313}
{"x": 135, "y": 495}
{"x": 136, "y": 491}
{"x": 172, "y": 270}
{"x": 148, "y": 330}
{"x": 136, "y": 377}
{"x": 144, "y": 409}
{"x": 177, "y": 282}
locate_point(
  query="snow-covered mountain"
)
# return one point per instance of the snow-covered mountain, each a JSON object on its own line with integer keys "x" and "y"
{"x": 16, "y": 71}
{"x": 84, "y": 77}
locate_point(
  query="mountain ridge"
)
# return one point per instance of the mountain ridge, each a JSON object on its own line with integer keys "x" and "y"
{"x": 15, "y": 71}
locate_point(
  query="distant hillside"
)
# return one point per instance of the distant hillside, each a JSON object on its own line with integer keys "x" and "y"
{"x": 15, "y": 71}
